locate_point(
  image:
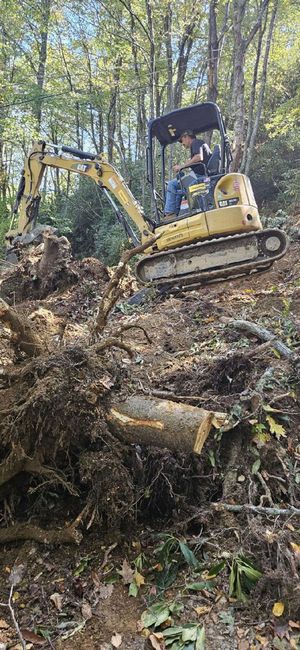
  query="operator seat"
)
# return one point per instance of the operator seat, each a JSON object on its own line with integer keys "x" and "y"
{"x": 213, "y": 165}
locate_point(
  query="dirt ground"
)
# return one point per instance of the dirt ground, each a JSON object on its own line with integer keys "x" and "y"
{"x": 71, "y": 597}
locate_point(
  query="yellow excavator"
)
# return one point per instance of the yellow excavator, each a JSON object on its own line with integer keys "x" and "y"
{"x": 217, "y": 233}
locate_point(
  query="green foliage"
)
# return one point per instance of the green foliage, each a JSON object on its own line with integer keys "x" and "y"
{"x": 243, "y": 577}
{"x": 4, "y": 225}
{"x": 87, "y": 220}
{"x": 189, "y": 636}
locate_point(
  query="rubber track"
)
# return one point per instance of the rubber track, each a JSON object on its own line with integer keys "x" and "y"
{"x": 193, "y": 280}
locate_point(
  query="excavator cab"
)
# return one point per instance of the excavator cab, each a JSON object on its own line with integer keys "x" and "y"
{"x": 198, "y": 189}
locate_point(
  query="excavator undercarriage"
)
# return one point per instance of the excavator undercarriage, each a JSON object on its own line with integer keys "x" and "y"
{"x": 213, "y": 260}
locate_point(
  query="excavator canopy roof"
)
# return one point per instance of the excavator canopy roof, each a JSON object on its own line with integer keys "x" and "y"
{"x": 197, "y": 118}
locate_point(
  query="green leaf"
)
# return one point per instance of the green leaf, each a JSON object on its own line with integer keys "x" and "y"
{"x": 175, "y": 607}
{"x": 162, "y": 617}
{"x": 173, "y": 631}
{"x": 200, "y": 642}
{"x": 211, "y": 457}
{"x": 198, "y": 586}
{"x": 188, "y": 555}
{"x": 148, "y": 618}
{"x": 216, "y": 569}
{"x": 189, "y": 634}
{"x": 158, "y": 612}
{"x": 133, "y": 589}
{"x": 256, "y": 465}
{"x": 227, "y": 618}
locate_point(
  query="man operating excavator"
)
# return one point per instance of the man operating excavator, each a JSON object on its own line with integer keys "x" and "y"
{"x": 199, "y": 156}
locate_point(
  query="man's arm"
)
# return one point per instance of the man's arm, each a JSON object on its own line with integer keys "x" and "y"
{"x": 198, "y": 157}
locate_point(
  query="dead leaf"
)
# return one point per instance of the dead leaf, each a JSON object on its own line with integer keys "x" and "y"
{"x": 295, "y": 624}
{"x": 127, "y": 573}
{"x": 262, "y": 640}
{"x": 296, "y": 548}
{"x": 202, "y": 610}
{"x": 139, "y": 579}
{"x": 276, "y": 428}
{"x": 240, "y": 632}
{"x": 86, "y": 611}
{"x": 16, "y": 574}
{"x": 270, "y": 536}
{"x": 3, "y": 624}
{"x": 105, "y": 591}
{"x": 107, "y": 381}
{"x": 278, "y": 608}
{"x": 16, "y": 595}
{"x": 57, "y": 600}
{"x": 36, "y": 639}
{"x": 156, "y": 641}
{"x": 243, "y": 645}
{"x": 116, "y": 640}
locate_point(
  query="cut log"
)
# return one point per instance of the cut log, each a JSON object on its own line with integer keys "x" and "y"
{"x": 162, "y": 423}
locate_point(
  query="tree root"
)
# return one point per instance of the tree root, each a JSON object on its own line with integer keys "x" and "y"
{"x": 112, "y": 343}
{"x": 68, "y": 535}
{"x": 257, "y": 510}
{"x": 24, "y": 337}
{"x": 17, "y": 462}
{"x": 113, "y": 289}
{"x": 128, "y": 326}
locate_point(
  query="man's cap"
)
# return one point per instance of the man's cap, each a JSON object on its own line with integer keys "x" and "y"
{"x": 187, "y": 132}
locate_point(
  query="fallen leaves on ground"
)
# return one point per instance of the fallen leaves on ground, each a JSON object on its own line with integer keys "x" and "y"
{"x": 116, "y": 640}
{"x": 278, "y": 608}
{"x": 57, "y": 600}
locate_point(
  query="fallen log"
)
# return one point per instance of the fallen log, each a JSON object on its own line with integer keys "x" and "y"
{"x": 261, "y": 333}
{"x": 162, "y": 423}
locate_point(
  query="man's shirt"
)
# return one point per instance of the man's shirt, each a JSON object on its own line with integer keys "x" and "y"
{"x": 196, "y": 146}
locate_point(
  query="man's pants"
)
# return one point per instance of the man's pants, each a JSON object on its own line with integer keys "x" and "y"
{"x": 174, "y": 195}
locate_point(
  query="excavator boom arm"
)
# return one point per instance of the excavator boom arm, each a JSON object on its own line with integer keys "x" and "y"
{"x": 94, "y": 167}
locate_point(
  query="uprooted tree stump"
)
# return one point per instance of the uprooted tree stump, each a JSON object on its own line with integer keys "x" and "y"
{"x": 67, "y": 422}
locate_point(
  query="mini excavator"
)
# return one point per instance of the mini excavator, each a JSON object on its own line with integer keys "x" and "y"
{"x": 216, "y": 235}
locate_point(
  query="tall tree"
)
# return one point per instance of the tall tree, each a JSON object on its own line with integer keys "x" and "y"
{"x": 241, "y": 44}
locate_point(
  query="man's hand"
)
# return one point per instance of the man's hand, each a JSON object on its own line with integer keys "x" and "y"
{"x": 177, "y": 168}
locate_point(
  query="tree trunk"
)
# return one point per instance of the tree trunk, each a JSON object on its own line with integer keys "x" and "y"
{"x": 45, "y": 15}
{"x": 112, "y": 111}
{"x": 183, "y": 58}
{"x": 241, "y": 45}
{"x": 253, "y": 96}
{"x": 213, "y": 53}
{"x": 261, "y": 95}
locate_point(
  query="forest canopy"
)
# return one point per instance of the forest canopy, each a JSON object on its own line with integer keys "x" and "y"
{"x": 91, "y": 73}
